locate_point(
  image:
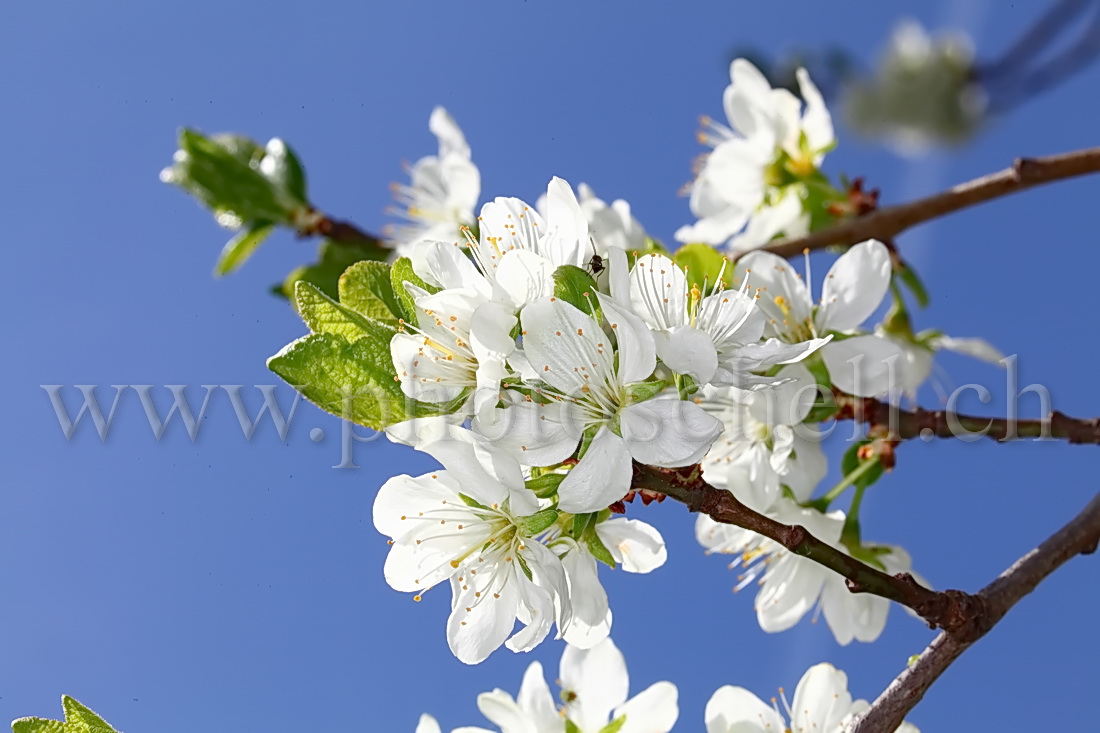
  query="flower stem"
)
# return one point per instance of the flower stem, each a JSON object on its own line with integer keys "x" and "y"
{"x": 822, "y": 503}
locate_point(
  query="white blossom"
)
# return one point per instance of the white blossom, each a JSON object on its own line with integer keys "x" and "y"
{"x": 594, "y": 691}
{"x": 860, "y": 364}
{"x": 465, "y": 524}
{"x": 821, "y": 704}
{"x": 791, "y": 585}
{"x": 591, "y": 391}
{"x": 441, "y": 195}
{"x": 760, "y": 451}
{"x": 714, "y": 339}
{"x": 460, "y": 346}
{"x": 769, "y": 134}
{"x": 513, "y": 259}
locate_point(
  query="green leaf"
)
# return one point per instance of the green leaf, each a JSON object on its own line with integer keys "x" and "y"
{"x": 571, "y": 727}
{"x": 351, "y": 379}
{"x": 282, "y": 167}
{"x": 367, "y": 288}
{"x": 401, "y": 273}
{"x": 333, "y": 259}
{"x": 912, "y": 281}
{"x": 238, "y": 249}
{"x": 575, "y": 286}
{"x": 224, "y": 173}
{"x": 537, "y": 522}
{"x": 597, "y": 547}
{"x": 702, "y": 265}
{"x": 324, "y": 315}
{"x": 78, "y": 719}
{"x": 37, "y": 725}
{"x": 545, "y": 485}
{"x": 851, "y": 461}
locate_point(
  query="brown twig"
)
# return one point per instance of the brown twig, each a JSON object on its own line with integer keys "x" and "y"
{"x": 316, "y": 224}
{"x": 890, "y": 221}
{"x": 952, "y": 610}
{"x": 1079, "y": 537}
{"x": 893, "y": 423}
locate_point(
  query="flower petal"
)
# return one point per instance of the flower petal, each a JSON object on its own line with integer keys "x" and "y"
{"x": 637, "y": 353}
{"x": 599, "y": 680}
{"x": 567, "y": 348}
{"x": 658, "y": 292}
{"x": 476, "y": 633}
{"x": 821, "y": 699}
{"x": 427, "y": 724}
{"x": 537, "y": 702}
{"x": 653, "y": 710}
{"x": 523, "y": 277}
{"x": 855, "y": 286}
{"x": 688, "y": 350}
{"x": 668, "y": 432}
{"x": 635, "y": 545}
{"x": 536, "y": 434}
{"x": 736, "y": 709}
{"x": 590, "y": 615}
{"x": 448, "y": 133}
{"x": 566, "y": 241}
{"x": 864, "y": 366}
{"x": 784, "y": 297}
{"x": 601, "y": 478}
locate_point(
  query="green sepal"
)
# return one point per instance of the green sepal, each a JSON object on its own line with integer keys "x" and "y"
{"x": 537, "y": 522}
{"x": 575, "y": 286}
{"x": 524, "y": 567}
{"x": 471, "y": 502}
{"x": 571, "y": 727}
{"x": 367, "y": 288}
{"x": 596, "y": 546}
{"x": 823, "y": 408}
{"x": 546, "y": 485}
{"x": 238, "y": 249}
{"x": 580, "y": 524}
{"x": 851, "y": 461}
{"x": 615, "y": 725}
{"x": 400, "y": 273}
{"x": 701, "y": 264}
{"x": 589, "y": 435}
{"x": 642, "y": 391}
{"x": 912, "y": 281}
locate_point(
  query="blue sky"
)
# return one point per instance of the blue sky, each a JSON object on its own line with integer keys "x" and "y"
{"x": 237, "y": 585}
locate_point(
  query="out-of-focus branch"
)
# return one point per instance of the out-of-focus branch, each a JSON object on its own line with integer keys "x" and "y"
{"x": 1079, "y": 537}
{"x": 949, "y": 610}
{"x": 890, "y": 221}
{"x": 893, "y": 423}
{"x": 339, "y": 231}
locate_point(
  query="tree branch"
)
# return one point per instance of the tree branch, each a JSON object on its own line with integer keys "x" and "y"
{"x": 340, "y": 231}
{"x": 1079, "y": 537}
{"x": 888, "y": 222}
{"x": 893, "y": 423}
{"x": 950, "y": 610}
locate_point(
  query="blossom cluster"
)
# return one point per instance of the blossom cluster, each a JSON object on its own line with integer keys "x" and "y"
{"x": 594, "y": 691}
{"x": 562, "y": 347}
